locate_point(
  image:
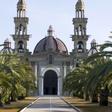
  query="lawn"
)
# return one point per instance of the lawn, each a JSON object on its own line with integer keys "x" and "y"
{"x": 86, "y": 106}
{"x": 17, "y": 106}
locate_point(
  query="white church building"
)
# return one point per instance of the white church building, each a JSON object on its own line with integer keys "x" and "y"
{"x": 50, "y": 60}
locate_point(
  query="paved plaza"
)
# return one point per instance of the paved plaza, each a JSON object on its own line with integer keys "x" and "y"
{"x": 49, "y": 104}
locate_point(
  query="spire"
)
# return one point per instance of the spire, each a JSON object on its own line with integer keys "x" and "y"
{"x": 21, "y": 8}
{"x": 50, "y": 31}
{"x": 80, "y": 5}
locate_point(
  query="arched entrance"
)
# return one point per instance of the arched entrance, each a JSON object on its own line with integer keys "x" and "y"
{"x": 50, "y": 83}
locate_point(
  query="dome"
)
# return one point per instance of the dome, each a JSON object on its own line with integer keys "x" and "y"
{"x": 7, "y": 43}
{"x": 93, "y": 41}
{"x": 80, "y": 5}
{"x": 21, "y": 5}
{"x": 50, "y": 43}
{"x": 93, "y": 48}
{"x": 21, "y": 2}
{"x": 7, "y": 47}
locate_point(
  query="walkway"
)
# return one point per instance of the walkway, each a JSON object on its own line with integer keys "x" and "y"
{"x": 49, "y": 104}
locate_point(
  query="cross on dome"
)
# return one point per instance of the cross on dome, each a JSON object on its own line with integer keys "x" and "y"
{"x": 50, "y": 31}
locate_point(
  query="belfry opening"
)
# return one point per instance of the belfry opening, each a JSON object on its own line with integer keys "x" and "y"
{"x": 50, "y": 83}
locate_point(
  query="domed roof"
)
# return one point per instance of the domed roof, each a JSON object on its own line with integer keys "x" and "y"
{"x": 21, "y": 1}
{"x": 21, "y": 5}
{"x": 93, "y": 41}
{"x": 50, "y": 43}
{"x": 7, "y": 47}
{"x": 93, "y": 48}
{"x": 80, "y": 5}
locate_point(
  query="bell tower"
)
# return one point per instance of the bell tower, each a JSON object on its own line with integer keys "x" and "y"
{"x": 20, "y": 36}
{"x": 80, "y": 36}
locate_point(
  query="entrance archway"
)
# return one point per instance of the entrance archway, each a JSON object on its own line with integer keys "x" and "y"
{"x": 50, "y": 83}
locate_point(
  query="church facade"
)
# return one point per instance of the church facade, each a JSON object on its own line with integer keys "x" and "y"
{"x": 50, "y": 60}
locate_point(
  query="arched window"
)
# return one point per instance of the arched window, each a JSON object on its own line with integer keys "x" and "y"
{"x": 80, "y": 47}
{"x": 20, "y": 46}
{"x": 77, "y": 64}
{"x": 80, "y": 29}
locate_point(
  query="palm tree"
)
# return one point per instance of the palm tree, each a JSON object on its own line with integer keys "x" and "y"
{"x": 94, "y": 73}
{"x": 75, "y": 81}
{"x": 16, "y": 79}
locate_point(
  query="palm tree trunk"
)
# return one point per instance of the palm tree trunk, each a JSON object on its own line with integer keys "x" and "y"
{"x": 13, "y": 97}
{"x": 93, "y": 98}
{"x": 85, "y": 96}
{"x": 1, "y": 104}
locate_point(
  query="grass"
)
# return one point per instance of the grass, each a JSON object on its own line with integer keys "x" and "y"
{"x": 86, "y": 106}
{"x": 17, "y": 106}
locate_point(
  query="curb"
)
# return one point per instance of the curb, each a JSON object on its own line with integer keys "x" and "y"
{"x": 75, "y": 108}
{"x": 28, "y": 105}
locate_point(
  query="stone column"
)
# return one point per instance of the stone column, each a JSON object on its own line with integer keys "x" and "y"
{"x": 59, "y": 86}
{"x": 65, "y": 70}
{"x": 36, "y": 72}
{"x": 42, "y": 86}
{"x": 41, "y": 81}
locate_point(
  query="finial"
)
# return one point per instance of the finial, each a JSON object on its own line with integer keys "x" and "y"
{"x": 50, "y": 31}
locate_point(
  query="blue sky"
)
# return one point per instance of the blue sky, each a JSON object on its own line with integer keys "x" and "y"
{"x": 58, "y": 13}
